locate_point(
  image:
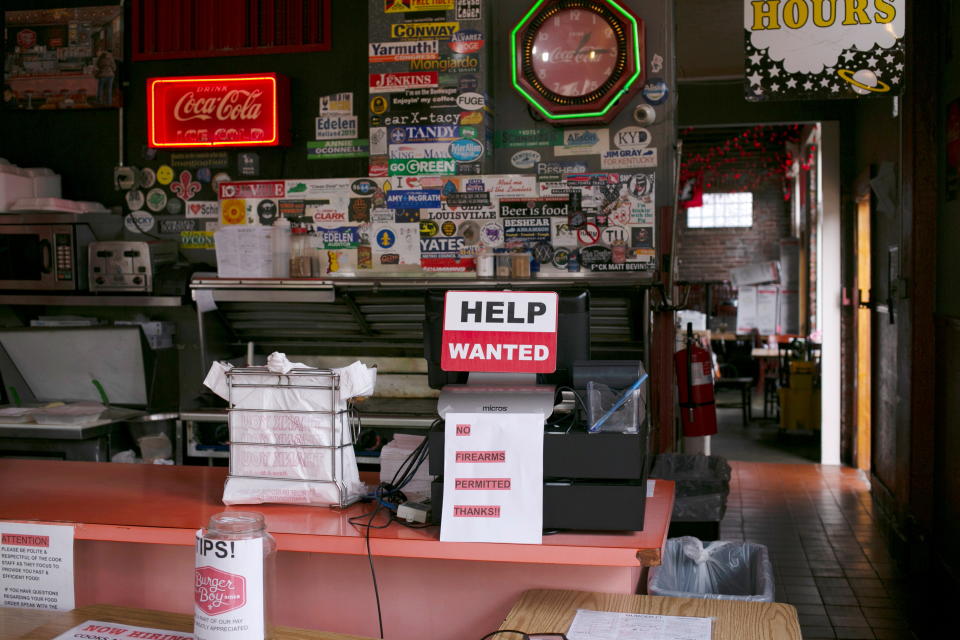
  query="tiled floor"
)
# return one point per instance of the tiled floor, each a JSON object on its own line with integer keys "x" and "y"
{"x": 829, "y": 558}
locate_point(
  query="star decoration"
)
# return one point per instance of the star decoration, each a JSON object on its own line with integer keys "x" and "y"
{"x": 775, "y": 87}
{"x": 889, "y": 59}
{"x": 758, "y": 91}
{"x": 895, "y": 79}
{"x": 900, "y": 67}
{"x": 872, "y": 62}
{"x": 791, "y": 84}
{"x": 808, "y": 85}
{"x": 849, "y": 55}
{"x": 774, "y": 72}
{"x": 829, "y": 71}
{"x": 825, "y": 82}
{"x": 756, "y": 78}
{"x": 756, "y": 58}
{"x": 834, "y": 88}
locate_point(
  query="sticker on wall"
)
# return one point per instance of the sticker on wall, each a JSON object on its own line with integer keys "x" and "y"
{"x": 359, "y": 210}
{"x": 526, "y": 159}
{"x": 179, "y": 225}
{"x": 198, "y": 159}
{"x": 204, "y": 175}
{"x": 233, "y": 212}
{"x": 632, "y": 138}
{"x": 394, "y": 82}
{"x": 165, "y": 174}
{"x": 491, "y": 234}
{"x": 471, "y": 118}
{"x": 402, "y": 6}
{"x": 335, "y": 149}
{"x": 641, "y": 237}
{"x": 267, "y": 212}
{"x": 589, "y": 234}
{"x": 423, "y": 30}
{"x": 185, "y": 188}
{"x": 219, "y": 178}
{"x": 201, "y": 208}
{"x": 378, "y": 141}
{"x": 513, "y": 138}
{"x": 469, "y": 9}
{"x": 405, "y": 51}
{"x": 248, "y": 164}
{"x": 469, "y": 231}
{"x": 139, "y": 222}
{"x": 562, "y": 235}
{"x": 656, "y": 63}
{"x": 466, "y": 150}
{"x": 156, "y": 199}
{"x": 466, "y": 41}
{"x": 174, "y": 206}
{"x": 423, "y": 166}
{"x": 526, "y": 230}
{"x": 379, "y": 105}
{"x": 581, "y": 142}
{"x": 561, "y": 257}
{"x": 197, "y": 240}
{"x": 338, "y": 103}
{"x": 396, "y": 244}
{"x": 134, "y": 199}
{"x": 336, "y": 127}
{"x": 553, "y": 170}
{"x": 656, "y": 91}
{"x": 147, "y": 178}
{"x": 617, "y": 159}
{"x": 444, "y": 254}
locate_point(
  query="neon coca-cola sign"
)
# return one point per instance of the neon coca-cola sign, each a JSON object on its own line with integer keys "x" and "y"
{"x": 218, "y": 111}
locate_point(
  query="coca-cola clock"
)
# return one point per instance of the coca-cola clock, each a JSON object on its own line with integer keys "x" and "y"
{"x": 578, "y": 61}
{"x": 218, "y": 111}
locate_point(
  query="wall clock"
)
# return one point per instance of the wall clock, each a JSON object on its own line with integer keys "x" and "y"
{"x": 578, "y": 61}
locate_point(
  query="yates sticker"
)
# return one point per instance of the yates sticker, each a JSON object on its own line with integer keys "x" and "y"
{"x": 139, "y": 222}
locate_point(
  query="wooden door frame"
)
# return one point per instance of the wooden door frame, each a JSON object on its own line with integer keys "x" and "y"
{"x": 862, "y": 283}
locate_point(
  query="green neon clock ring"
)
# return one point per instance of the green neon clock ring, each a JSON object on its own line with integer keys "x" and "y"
{"x": 577, "y": 60}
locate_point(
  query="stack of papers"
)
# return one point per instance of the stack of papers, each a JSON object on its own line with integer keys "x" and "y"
{"x": 608, "y": 625}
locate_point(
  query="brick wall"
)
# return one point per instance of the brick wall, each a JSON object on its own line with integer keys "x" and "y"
{"x": 707, "y": 255}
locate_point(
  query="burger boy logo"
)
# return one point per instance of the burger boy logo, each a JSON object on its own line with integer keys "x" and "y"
{"x": 815, "y": 49}
{"x": 500, "y": 331}
{"x": 216, "y": 592}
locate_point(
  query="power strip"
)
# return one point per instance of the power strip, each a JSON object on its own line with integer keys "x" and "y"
{"x": 414, "y": 512}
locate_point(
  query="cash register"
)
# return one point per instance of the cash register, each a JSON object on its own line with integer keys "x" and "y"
{"x": 592, "y": 481}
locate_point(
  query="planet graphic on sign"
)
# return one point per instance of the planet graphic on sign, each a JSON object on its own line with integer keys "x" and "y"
{"x": 864, "y": 81}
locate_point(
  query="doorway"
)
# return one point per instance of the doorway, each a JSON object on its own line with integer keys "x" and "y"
{"x": 864, "y": 331}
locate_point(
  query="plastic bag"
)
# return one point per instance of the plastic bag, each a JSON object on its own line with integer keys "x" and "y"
{"x": 626, "y": 419}
{"x": 722, "y": 570}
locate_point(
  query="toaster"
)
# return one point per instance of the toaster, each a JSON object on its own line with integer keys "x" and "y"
{"x": 125, "y": 265}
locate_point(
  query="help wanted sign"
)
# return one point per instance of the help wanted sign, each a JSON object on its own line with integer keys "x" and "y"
{"x": 500, "y": 331}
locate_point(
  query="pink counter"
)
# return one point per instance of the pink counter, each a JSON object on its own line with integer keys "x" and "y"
{"x": 134, "y": 526}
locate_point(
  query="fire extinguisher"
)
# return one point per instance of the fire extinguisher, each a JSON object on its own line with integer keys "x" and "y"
{"x": 698, "y": 410}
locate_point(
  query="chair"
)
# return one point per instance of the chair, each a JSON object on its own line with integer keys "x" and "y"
{"x": 729, "y": 380}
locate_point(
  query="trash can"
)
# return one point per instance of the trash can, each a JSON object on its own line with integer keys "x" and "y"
{"x": 702, "y": 487}
{"x": 722, "y": 570}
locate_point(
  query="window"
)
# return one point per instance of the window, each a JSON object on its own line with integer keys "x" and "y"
{"x": 214, "y": 28}
{"x": 722, "y": 210}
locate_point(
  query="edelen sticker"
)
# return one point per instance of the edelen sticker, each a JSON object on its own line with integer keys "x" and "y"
{"x": 336, "y": 127}
{"x": 202, "y": 209}
{"x": 139, "y": 222}
{"x": 526, "y": 159}
{"x": 628, "y": 159}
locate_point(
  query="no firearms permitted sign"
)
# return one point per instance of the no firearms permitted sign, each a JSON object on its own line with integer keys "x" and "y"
{"x": 500, "y": 331}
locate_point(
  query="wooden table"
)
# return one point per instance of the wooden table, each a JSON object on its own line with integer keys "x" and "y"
{"x": 56, "y": 622}
{"x": 134, "y": 527}
{"x": 543, "y": 611}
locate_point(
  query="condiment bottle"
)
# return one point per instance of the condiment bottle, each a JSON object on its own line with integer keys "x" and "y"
{"x": 281, "y": 241}
{"x": 233, "y": 579}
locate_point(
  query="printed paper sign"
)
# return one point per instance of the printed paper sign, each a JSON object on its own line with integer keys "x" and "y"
{"x": 36, "y": 565}
{"x": 493, "y": 478}
{"x": 228, "y": 589}
{"x": 116, "y": 631}
{"x": 816, "y": 50}
{"x": 341, "y": 103}
{"x": 396, "y": 244}
{"x": 500, "y": 331}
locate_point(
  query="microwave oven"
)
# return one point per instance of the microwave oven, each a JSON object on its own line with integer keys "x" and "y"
{"x": 44, "y": 256}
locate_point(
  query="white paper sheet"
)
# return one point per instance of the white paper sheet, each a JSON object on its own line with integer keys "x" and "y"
{"x": 493, "y": 478}
{"x": 609, "y": 625}
{"x": 117, "y": 631}
{"x": 36, "y": 566}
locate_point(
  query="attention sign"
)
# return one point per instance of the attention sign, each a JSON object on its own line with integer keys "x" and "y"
{"x": 500, "y": 331}
{"x": 218, "y": 111}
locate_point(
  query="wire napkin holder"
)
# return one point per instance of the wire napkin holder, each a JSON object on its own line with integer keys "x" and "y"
{"x": 313, "y": 444}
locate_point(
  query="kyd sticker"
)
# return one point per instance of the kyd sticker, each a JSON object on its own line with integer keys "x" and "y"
{"x": 632, "y": 138}
{"x": 139, "y": 222}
